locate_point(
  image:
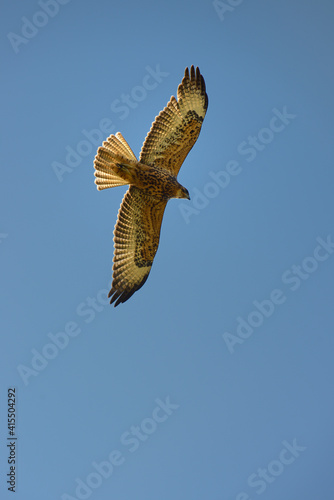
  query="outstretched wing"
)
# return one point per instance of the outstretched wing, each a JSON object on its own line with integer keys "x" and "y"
{"x": 177, "y": 127}
{"x": 136, "y": 239}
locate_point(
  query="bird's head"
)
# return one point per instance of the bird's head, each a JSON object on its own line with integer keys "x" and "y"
{"x": 182, "y": 192}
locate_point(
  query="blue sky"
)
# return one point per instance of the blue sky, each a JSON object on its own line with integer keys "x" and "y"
{"x": 214, "y": 380}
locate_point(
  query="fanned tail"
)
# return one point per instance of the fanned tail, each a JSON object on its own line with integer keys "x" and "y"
{"x": 115, "y": 151}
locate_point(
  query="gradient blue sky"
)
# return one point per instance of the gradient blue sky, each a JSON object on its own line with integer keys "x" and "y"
{"x": 246, "y": 378}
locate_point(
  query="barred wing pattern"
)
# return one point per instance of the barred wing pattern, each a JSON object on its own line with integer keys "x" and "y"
{"x": 177, "y": 127}
{"x": 136, "y": 240}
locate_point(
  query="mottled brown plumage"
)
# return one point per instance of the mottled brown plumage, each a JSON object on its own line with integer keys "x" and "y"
{"x": 152, "y": 180}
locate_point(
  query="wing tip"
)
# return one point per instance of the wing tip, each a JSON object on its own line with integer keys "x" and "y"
{"x": 193, "y": 79}
{"x": 121, "y": 296}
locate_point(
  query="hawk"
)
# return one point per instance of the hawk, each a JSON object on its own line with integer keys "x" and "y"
{"x": 152, "y": 182}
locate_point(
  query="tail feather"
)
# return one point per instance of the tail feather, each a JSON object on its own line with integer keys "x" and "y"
{"x": 119, "y": 145}
{"x": 115, "y": 150}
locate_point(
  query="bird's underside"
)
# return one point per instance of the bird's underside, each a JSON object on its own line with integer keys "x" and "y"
{"x": 152, "y": 182}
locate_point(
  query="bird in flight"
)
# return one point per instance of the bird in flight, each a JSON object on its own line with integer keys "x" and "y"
{"x": 152, "y": 182}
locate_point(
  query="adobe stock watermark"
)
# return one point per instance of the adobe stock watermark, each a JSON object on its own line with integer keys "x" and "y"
{"x": 30, "y": 27}
{"x": 121, "y": 107}
{"x": 57, "y": 342}
{"x": 292, "y": 278}
{"x": 248, "y": 150}
{"x": 130, "y": 440}
{"x": 222, "y": 8}
{"x": 263, "y": 477}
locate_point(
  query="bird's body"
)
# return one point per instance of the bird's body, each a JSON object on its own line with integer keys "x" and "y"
{"x": 160, "y": 183}
{"x": 152, "y": 181}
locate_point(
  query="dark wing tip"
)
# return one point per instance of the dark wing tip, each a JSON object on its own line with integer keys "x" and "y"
{"x": 121, "y": 296}
{"x": 192, "y": 73}
{"x": 196, "y": 77}
{"x": 118, "y": 297}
